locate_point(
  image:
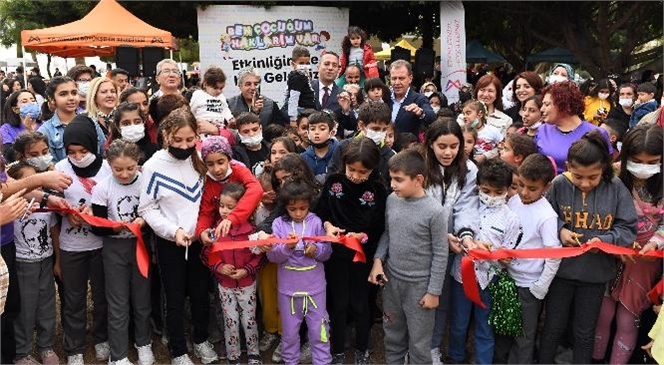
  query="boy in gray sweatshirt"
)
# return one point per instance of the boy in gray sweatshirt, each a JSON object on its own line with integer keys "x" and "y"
{"x": 415, "y": 246}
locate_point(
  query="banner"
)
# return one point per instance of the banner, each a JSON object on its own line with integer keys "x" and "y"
{"x": 236, "y": 36}
{"x": 452, "y": 49}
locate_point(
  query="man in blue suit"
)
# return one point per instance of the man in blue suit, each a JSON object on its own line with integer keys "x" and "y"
{"x": 326, "y": 93}
{"x": 410, "y": 110}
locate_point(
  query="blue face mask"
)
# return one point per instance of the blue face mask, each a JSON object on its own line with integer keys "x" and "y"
{"x": 31, "y": 109}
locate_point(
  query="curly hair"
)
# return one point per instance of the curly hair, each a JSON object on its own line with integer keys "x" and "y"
{"x": 352, "y": 30}
{"x": 566, "y": 97}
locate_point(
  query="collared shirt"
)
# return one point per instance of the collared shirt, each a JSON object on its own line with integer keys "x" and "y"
{"x": 321, "y": 92}
{"x": 396, "y": 104}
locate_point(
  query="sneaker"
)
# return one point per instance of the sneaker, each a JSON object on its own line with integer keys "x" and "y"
{"x": 436, "y": 357}
{"x": 102, "y": 351}
{"x": 49, "y": 357}
{"x": 233, "y": 362}
{"x": 182, "y": 360}
{"x": 28, "y": 360}
{"x": 75, "y": 359}
{"x": 305, "y": 353}
{"x": 254, "y": 360}
{"x": 338, "y": 358}
{"x": 276, "y": 355}
{"x": 362, "y": 357}
{"x": 267, "y": 341}
{"x": 164, "y": 339}
{"x": 124, "y": 361}
{"x": 145, "y": 355}
{"x": 205, "y": 352}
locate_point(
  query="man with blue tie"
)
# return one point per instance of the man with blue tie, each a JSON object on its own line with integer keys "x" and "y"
{"x": 410, "y": 110}
{"x": 326, "y": 93}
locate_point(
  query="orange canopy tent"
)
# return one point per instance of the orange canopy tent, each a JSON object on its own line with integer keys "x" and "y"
{"x": 99, "y": 33}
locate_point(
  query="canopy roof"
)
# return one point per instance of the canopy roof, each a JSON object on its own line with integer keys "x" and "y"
{"x": 476, "y": 53}
{"x": 386, "y": 53}
{"x": 553, "y": 55}
{"x": 106, "y": 27}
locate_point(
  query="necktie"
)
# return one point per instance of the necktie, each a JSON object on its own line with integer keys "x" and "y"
{"x": 326, "y": 96}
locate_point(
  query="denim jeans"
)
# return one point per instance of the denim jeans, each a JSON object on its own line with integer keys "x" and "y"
{"x": 460, "y": 321}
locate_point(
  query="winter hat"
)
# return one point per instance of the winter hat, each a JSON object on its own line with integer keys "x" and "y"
{"x": 568, "y": 68}
{"x": 216, "y": 144}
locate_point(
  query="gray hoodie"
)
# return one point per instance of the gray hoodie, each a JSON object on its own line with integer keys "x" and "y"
{"x": 607, "y": 212}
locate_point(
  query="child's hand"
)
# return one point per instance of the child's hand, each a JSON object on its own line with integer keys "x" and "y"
{"x": 226, "y": 269}
{"x": 429, "y": 301}
{"x": 238, "y": 274}
{"x": 569, "y": 238}
{"x": 223, "y": 228}
{"x": 594, "y": 240}
{"x": 181, "y": 238}
{"x": 56, "y": 269}
{"x": 310, "y": 250}
{"x": 656, "y": 308}
{"x": 206, "y": 240}
{"x": 455, "y": 245}
{"x": 647, "y": 348}
{"x": 505, "y": 261}
{"x": 377, "y": 273}
{"x": 140, "y": 221}
{"x": 361, "y": 236}
{"x": 332, "y": 231}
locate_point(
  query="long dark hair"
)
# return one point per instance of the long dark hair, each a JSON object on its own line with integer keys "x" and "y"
{"x": 116, "y": 116}
{"x": 458, "y": 168}
{"x": 293, "y": 163}
{"x": 592, "y": 148}
{"x": 643, "y": 139}
{"x": 295, "y": 189}
{"x": 9, "y": 116}
{"x": 352, "y": 30}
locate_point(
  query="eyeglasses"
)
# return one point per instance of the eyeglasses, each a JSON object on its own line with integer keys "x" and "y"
{"x": 83, "y": 80}
{"x": 169, "y": 71}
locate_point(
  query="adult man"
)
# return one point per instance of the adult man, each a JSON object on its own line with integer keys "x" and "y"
{"x": 250, "y": 99}
{"x": 410, "y": 110}
{"x": 352, "y": 74}
{"x": 121, "y": 79}
{"x": 326, "y": 92}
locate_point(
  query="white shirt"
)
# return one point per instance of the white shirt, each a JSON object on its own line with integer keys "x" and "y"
{"x": 211, "y": 108}
{"x": 356, "y": 56}
{"x": 120, "y": 200}
{"x": 396, "y": 104}
{"x": 499, "y": 120}
{"x": 321, "y": 91}
{"x": 487, "y": 141}
{"x": 33, "y": 236}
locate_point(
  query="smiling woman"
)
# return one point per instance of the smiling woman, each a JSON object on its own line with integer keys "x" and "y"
{"x": 101, "y": 100}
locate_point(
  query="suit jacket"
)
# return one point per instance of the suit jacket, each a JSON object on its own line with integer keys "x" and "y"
{"x": 345, "y": 121}
{"x": 269, "y": 114}
{"x": 407, "y": 122}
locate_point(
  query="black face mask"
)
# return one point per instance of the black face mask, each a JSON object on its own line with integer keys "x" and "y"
{"x": 181, "y": 153}
{"x": 319, "y": 145}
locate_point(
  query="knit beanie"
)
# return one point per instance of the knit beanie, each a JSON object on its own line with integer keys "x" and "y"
{"x": 216, "y": 144}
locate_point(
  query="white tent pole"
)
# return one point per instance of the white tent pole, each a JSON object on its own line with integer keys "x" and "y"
{"x": 25, "y": 70}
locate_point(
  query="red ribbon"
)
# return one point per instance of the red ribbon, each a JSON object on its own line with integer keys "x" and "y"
{"x": 468, "y": 268}
{"x": 347, "y": 241}
{"x": 142, "y": 257}
{"x": 655, "y": 295}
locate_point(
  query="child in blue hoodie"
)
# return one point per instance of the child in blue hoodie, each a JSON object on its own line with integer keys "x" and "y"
{"x": 592, "y": 206}
{"x": 321, "y": 144}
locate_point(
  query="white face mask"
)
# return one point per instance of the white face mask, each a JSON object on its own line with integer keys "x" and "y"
{"x": 83, "y": 87}
{"x": 626, "y": 102}
{"x": 535, "y": 126}
{"x": 603, "y": 96}
{"x": 643, "y": 171}
{"x": 377, "y": 137}
{"x": 492, "y": 201}
{"x": 428, "y": 93}
{"x": 86, "y": 161}
{"x": 435, "y": 109}
{"x": 133, "y": 133}
{"x": 553, "y": 79}
{"x": 252, "y": 141}
{"x": 40, "y": 163}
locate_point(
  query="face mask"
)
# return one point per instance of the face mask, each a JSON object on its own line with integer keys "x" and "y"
{"x": 475, "y": 123}
{"x": 86, "y": 161}
{"x": 643, "y": 171}
{"x": 428, "y": 93}
{"x": 553, "y": 79}
{"x": 535, "y": 126}
{"x": 435, "y": 109}
{"x": 303, "y": 69}
{"x": 492, "y": 201}
{"x": 83, "y": 87}
{"x": 626, "y": 102}
{"x": 252, "y": 141}
{"x": 603, "y": 96}
{"x": 133, "y": 133}
{"x": 40, "y": 163}
{"x": 30, "y": 109}
{"x": 181, "y": 153}
{"x": 377, "y": 137}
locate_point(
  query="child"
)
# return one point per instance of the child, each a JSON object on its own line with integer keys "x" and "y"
{"x": 353, "y": 200}
{"x": 373, "y": 123}
{"x": 376, "y": 90}
{"x": 299, "y": 93}
{"x": 303, "y": 128}
{"x": 415, "y": 237}
{"x": 128, "y": 123}
{"x": 235, "y": 271}
{"x": 592, "y": 206}
{"x": 253, "y": 150}
{"x": 531, "y": 115}
{"x": 300, "y": 273}
{"x": 516, "y": 148}
{"x": 279, "y": 147}
{"x": 293, "y": 135}
{"x": 469, "y": 141}
{"x": 512, "y": 129}
{"x": 319, "y": 154}
{"x": 210, "y": 104}
{"x": 390, "y": 136}
{"x": 356, "y": 50}
{"x": 532, "y": 276}
{"x": 641, "y": 172}
{"x": 35, "y": 237}
{"x": 597, "y": 103}
{"x": 404, "y": 141}
{"x": 645, "y": 102}
{"x": 80, "y": 250}
{"x": 488, "y": 136}
{"x": 63, "y": 93}
{"x": 32, "y": 148}
{"x": 116, "y": 198}
{"x": 615, "y": 129}
{"x": 498, "y": 227}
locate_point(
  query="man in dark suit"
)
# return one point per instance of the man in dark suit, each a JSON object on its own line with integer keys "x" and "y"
{"x": 326, "y": 93}
{"x": 250, "y": 99}
{"x": 410, "y": 110}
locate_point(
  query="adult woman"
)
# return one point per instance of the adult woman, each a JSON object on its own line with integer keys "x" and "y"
{"x": 598, "y": 102}
{"x": 100, "y": 101}
{"x": 559, "y": 73}
{"x": 488, "y": 90}
{"x": 562, "y": 103}
{"x": 428, "y": 87}
{"x": 16, "y": 121}
{"x": 525, "y": 85}
{"x": 37, "y": 86}
{"x": 626, "y": 98}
